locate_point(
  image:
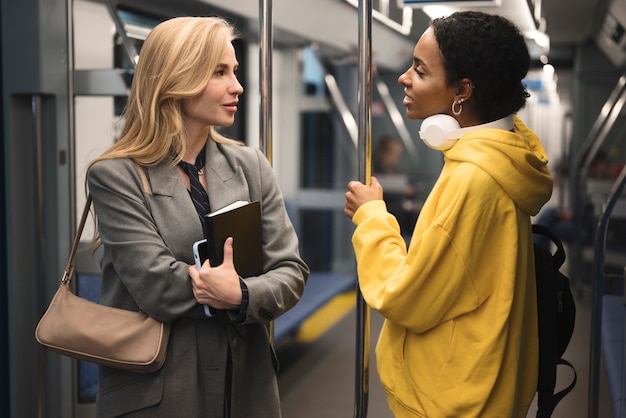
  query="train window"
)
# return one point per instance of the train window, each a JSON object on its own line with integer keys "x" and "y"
{"x": 318, "y": 155}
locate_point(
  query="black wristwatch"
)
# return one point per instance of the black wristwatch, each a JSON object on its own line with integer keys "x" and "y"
{"x": 243, "y": 308}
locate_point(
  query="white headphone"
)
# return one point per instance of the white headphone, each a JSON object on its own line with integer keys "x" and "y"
{"x": 441, "y": 131}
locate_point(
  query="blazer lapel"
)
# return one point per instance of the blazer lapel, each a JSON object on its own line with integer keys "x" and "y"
{"x": 170, "y": 192}
{"x": 225, "y": 178}
{"x": 164, "y": 179}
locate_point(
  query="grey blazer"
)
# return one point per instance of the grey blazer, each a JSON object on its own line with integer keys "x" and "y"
{"x": 147, "y": 239}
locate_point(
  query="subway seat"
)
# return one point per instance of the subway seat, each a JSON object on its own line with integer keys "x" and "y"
{"x": 612, "y": 338}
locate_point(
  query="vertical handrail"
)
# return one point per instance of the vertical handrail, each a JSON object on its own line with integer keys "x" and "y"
{"x": 364, "y": 151}
{"x": 597, "y": 292}
{"x": 41, "y": 244}
{"x": 265, "y": 77}
{"x": 265, "y": 91}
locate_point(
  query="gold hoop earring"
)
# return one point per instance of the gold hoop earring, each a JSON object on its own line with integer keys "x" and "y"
{"x": 460, "y": 104}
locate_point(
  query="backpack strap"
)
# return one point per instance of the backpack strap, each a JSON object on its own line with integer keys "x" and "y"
{"x": 546, "y": 402}
{"x": 559, "y": 255}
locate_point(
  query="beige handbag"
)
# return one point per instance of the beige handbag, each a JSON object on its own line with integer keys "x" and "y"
{"x": 84, "y": 330}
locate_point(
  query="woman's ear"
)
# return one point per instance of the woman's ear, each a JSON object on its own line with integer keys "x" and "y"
{"x": 465, "y": 89}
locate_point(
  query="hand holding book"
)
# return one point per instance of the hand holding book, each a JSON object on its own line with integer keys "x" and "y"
{"x": 242, "y": 221}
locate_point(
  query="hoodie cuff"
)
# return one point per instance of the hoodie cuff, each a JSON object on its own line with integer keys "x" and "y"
{"x": 369, "y": 209}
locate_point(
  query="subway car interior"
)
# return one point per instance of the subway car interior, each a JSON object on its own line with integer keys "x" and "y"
{"x": 66, "y": 73}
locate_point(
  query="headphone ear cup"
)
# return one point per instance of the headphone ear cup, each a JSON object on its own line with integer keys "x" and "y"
{"x": 439, "y": 131}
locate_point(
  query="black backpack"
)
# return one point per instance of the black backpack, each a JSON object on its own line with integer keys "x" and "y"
{"x": 557, "y": 314}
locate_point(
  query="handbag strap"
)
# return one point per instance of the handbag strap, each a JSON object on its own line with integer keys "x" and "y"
{"x": 69, "y": 268}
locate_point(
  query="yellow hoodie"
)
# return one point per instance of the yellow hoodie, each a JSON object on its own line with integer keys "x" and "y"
{"x": 460, "y": 332}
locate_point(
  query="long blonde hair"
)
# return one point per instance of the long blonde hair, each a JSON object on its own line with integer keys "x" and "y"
{"x": 176, "y": 61}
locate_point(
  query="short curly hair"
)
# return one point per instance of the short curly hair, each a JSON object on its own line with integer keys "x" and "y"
{"x": 489, "y": 50}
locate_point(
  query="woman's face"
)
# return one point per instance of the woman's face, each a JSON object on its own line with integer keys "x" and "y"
{"x": 217, "y": 104}
{"x": 425, "y": 89}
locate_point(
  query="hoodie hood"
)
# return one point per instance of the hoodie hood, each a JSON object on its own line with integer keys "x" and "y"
{"x": 515, "y": 160}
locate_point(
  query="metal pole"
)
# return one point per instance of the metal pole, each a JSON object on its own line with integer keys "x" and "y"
{"x": 41, "y": 245}
{"x": 342, "y": 107}
{"x": 364, "y": 150}
{"x": 128, "y": 45}
{"x": 265, "y": 90}
{"x": 265, "y": 73}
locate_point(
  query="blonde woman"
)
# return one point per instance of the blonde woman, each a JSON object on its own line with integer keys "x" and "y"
{"x": 217, "y": 366}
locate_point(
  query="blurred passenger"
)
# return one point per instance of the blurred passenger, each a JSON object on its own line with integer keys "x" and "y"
{"x": 602, "y": 167}
{"x": 388, "y": 154}
{"x": 460, "y": 308}
{"x": 219, "y": 366}
{"x": 561, "y": 220}
{"x": 400, "y": 189}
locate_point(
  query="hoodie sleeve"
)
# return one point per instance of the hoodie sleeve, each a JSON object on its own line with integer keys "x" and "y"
{"x": 443, "y": 275}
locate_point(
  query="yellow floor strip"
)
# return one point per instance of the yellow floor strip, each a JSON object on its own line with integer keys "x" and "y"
{"x": 327, "y": 316}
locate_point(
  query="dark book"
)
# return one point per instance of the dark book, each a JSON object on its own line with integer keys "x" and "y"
{"x": 242, "y": 221}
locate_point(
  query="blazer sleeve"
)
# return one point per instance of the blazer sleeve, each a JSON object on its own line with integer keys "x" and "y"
{"x": 281, "y": 286}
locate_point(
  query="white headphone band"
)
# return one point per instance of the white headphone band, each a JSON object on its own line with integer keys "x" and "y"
{"x": 441, "y": 131}
{"x": 506, "y": 123}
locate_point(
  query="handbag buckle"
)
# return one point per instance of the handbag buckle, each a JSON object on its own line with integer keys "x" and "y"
{"x": 67, "y": 278}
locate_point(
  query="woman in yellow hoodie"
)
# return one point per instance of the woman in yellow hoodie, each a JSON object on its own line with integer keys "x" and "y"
{"x": 460, "y": 332}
